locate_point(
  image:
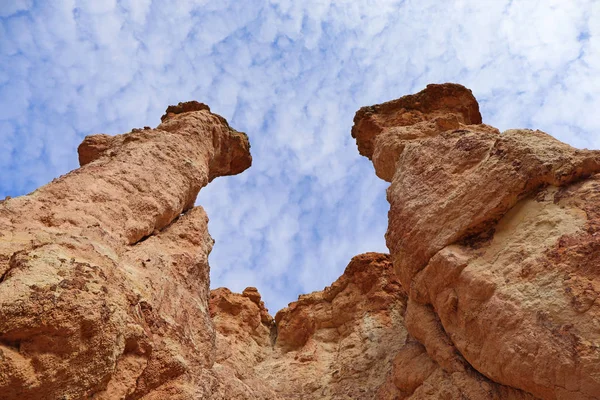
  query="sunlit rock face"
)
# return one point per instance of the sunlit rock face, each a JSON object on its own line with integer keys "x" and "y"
{"x": 490, "y": 290}
{"x": 495, "y": 235}
{"x": 338, "y": 343}
{"x": 104, "y": 286}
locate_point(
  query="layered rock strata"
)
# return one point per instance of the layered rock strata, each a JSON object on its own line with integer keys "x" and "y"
{"x": 496, "y": 236}
{"x": 104, "y": 274}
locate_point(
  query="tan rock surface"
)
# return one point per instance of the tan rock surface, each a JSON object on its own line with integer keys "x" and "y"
{"x": 104, "y": 273}
{"x": 245, "y": 336}
{"x": 381, "y": 131}
{"x": 491, "y": 290}
{"x": 349, "y": 341}
{"x": 335, "y": 344}
{"x": 496, "y": 237}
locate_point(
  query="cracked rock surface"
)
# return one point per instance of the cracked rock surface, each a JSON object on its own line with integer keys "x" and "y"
{"x": 104, "y": 273}
{"x": 490, "y": 290}
{"x": 496, "y": 237}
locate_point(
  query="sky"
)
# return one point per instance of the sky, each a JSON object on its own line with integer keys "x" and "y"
{"x": 291, "y": 74}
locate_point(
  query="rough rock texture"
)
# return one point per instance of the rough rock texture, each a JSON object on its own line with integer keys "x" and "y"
{"x": 496, "y": 235}
{"x": 335, "y": 344}
{"x": 490, "y": 292}
{"x": 245, "y": 335}
{"x": 382, "y": 130}
{"x": 104, "y": 274}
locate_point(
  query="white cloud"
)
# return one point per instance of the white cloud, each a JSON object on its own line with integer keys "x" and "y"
{"x": 291, "y": 74}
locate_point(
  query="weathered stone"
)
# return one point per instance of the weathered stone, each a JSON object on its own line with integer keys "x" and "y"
{"x": 333, "y": 344}
{"x": 491, "y": 290}
{"x": 495, "y": 234}
{"x": 104, "y": 273}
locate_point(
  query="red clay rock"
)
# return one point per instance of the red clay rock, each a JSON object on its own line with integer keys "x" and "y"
{"x": 104, "y": 273}
{"x": 496, "y": 237}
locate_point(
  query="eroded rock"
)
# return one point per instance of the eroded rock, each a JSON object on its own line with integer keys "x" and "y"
{"x": 495, "y": 234}
{"x": 491, "y": 290}
{"x": 104, "y": 273}
{"x": 333, "y": 344}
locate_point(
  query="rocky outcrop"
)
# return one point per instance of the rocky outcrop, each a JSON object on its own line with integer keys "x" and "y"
{"x": 104, "y": 274}
{"x": 382, "y": 130}
{"x": 245, "y": 333}
{"x": 349, "y": 341}
{"x": 490, "y": 291}
{"x": 335, "y": 344}
{"x": 496, "y": 235}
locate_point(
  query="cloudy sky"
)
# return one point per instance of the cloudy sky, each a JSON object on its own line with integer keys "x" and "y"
{"x": 291, "y": 74}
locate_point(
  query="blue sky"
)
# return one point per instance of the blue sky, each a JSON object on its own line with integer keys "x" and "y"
{"x": 291, "y": 74}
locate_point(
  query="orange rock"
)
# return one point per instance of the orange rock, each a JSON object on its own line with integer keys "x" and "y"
{"x": 496, "y": 237}
{"x": 244, "y": 339}
{"x": 252, "y": 294}
{"x": 491, "y": 290}
{"x": 104, "y": 272}
{"x": 448, "y": 102}
{"x": 92, "y": 148}
{"x": 337, "y": 343}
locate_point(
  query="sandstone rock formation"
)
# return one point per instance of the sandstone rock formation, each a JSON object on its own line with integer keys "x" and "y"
{"x": 349, "y": 341}
{"x": 490, "y": 291}
{"x": 335, "y": 344}
{"x": 245, "y": 336}
{"x": 103, "y": 272}
{"x": 496, "y": 235}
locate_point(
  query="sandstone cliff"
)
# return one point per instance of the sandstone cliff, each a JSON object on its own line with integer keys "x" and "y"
{"x": 104, "y": 274}
{"x": 335, "y": 344}
{"x": 494, "y": 244}
{"x": 496, "y": 235}
{"x": 490, "y": 290}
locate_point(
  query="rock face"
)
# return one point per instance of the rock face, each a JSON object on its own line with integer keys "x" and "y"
{"x": 490, "y": 291}
{"x": 335, "y": 344}
{"x": 245, "y": 335}
{"x": 496, "y": 235}
{"x": 349, "y": 341}
{"x": 104, "y": 274}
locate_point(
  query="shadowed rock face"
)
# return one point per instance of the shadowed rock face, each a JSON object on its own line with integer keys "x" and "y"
{"x": 104, "y": 273}
{"x": 496, "y": 236}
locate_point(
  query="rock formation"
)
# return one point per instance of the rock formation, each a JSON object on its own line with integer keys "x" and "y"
{"x": 490, "y": 290}
{"x": 104, "y": 274}
{"x": 335, "y": 344}
{"x": 496, "y": 235}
